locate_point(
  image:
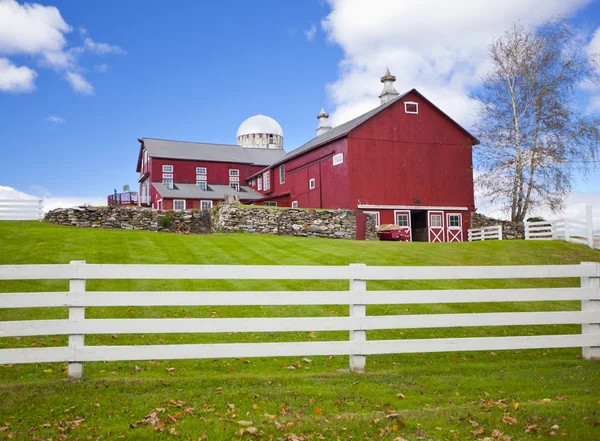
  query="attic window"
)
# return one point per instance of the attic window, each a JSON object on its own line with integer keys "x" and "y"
{"x": 411, "y": 107}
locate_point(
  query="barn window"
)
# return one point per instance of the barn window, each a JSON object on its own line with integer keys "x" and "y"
{"x": 376, "y": 213}
{"x": 411, "y": 107}
{"x": 454, "y": 221}
{"x": 205, "y": 205}
{"x": 234, "y": 172}
{"x": 235, "y": 185}
{"x": 201, "y": 185}
{"x": 167, "y": 169}
{"x": 312, "y": 184}
{"x": 167, "y": 175}
{"x": 294, "y": 204}
{"x": 179, "y": 204}
{"x": 168, "y": 183}
{"x": 402, "y": 220}
{"x": 270, "y": 204}
{"x": 436, "y": 221}
{"x": 200, "y": 177}
{"x": 266, "y": 181}
{"x": 338, "y": 159}
{"x": 259, "y": 181}
{"x": 281, "y": 174}
{"x": 200, "y": 170}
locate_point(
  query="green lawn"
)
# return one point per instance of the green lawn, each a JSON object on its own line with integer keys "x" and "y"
{"x": 525, "y": 395}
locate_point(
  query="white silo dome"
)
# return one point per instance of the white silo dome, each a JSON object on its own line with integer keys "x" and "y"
{"x": 260, "y": 124}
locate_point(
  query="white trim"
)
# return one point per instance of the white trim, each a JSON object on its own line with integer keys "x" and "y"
{"x": 178, "y": 200}
{"x": 202, "y": 187}
{"x": 409, "y": 221}
{"x": 159, "y": 201}
{"x": 411, "y": 102}
{"x": 409, "y": 207}
{"x": 200, "y": 177}
{"x": 429, "y": 227}
{"x": 459, "y": 221}
{"x": 454, "y": 234}
{"x": 200, "y": 172}
{"x": 167, "y": 170}
{"x": 234, "y": 185}
{"x": 167, "y": 175}
{"x": 209, "y": 201}
{"x": 296, "y": 204}
{"x": 267, "y": 181}
{"x": 270, "y": 204}
{"x": 259, "y": 183}
{"x": 338, "y": 159}
{"x": 282, "y": 174}
{"x": 171, "y": 186}
{"x": 377, "y": 216}
{"x": 312, "y": 184}
{"x": 234, "y": 172}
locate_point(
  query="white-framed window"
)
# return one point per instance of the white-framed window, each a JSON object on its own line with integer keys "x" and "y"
{"x": 411, "y": 107}
{"x": 168, "y": 183}
{"x": 454, "y": 221}
{"x": 402, "y": 220}
{"x": 436, "y": 221}
{"x": 200, "y": 177}
{"x": 235, "y": 185}
{"x": 202, "y": 185}
{"x": 200, "y": 170}
{"x": 234, "y": 172}
{"x": 338, "y": 159}
{"x": 281, "y": 174}
{"x": 205, "y": 205}
{"x": 294, "y": 204}
{"x": 376, "y": 213}
{"x": 167, "y": 169}
{"x": 259, "y": 182}
{"x": 253, "y": 182}
{"x": 234, "y": 179}
{"x": 270, "y": 204}
{"x": 178, "y": 204}
{"x": 167, "y": 175}
{"x": 266, "y": 181}
{"x": 312, "y": 183}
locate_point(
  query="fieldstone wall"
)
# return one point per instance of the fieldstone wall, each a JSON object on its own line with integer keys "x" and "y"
{"x": 510, "y": 230}
{"x": 133, "y": 218}
{"x": 333, "y": 224}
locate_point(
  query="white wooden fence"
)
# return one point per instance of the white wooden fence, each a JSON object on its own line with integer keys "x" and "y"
{"x": 569, "y": 230}
{"x": 485, "y": 233}
{"x": 358, "y": 323}
{"x": 21, "y": 209}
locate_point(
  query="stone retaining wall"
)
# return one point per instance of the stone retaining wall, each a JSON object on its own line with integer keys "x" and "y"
{"x": 510, "y": 229}
{"x": 333, "y": 224}
{"x": 132, "y": 218}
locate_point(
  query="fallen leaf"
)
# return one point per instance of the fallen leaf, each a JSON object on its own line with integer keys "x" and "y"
{"x": 516, "y": 405}
{"x": 252, "y": 430}
{"x": 401, "y": 396}
{"x": 170, "y": 370}
{"x": 477, "y": 432}
{"x": 318, "y": 411}
{"x": 509, "y": 419}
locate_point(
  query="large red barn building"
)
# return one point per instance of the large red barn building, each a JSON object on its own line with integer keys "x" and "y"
{"x": 406, "y": 161}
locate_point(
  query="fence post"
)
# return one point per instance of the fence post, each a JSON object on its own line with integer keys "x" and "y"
{"x": 591, "y": 352}
{"x": 526, "y": 224}
{"x": 499, "y": 232}
{"x": 567, "y": 231}
{"x": 358, "y": 285}
{"x": 41, "y": 210}
{"x": 590, "y": 226}
{"x": 76, "y": 313}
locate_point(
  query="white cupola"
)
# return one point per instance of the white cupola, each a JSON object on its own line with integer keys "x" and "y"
{"x": 389, "y": 92}
{"x": 323, "y": 122}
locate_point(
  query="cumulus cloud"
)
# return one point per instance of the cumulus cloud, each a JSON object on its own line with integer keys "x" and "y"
{"x": 55, "y": 119}
{"x": 436, "y": 46}
{"x": 79, "y": 83}
{"x": 310, "y": 33}
{"x": 101, "y": 68}
{"x": 51, "y": 202}
{"x": 41, "y": 32}
{"x": 16, "y": 79}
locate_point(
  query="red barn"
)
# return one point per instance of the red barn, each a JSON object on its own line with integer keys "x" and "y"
{"x": 406, "y": 161}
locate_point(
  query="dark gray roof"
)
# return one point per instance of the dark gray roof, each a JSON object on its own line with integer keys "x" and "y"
{"x": 191, "y": 191}
{"x": 162, "y": 148}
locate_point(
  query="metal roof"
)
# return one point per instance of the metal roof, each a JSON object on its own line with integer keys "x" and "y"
{"x": 191, "y": 191}
{"x": 260, "y": 124}
{"x": 163, "y": 148}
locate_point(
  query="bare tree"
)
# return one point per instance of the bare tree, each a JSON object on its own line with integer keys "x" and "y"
{"x": 532, "y": 137}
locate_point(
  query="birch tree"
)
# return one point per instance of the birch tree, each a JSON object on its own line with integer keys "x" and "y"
{"x": 532, "y": 137}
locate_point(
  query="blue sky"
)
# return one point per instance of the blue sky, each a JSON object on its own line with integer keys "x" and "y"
{"x": 195, "y": 70}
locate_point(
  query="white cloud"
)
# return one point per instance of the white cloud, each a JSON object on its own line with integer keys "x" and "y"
{"x": 79, "y": 84}
{"x": 101, "y": 68}
{"x": 436, "y": 46}
{"x": 52, "y": 202}
{"x": 55, "y": 119}
{"x": 310, "y": 33}
{"x": 41, "y": 32}
{"x": 102, "y": 48}
{"x": 16, "y": 78}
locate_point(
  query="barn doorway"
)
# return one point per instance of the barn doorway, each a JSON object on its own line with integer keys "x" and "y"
{"x": 418, "y": 221}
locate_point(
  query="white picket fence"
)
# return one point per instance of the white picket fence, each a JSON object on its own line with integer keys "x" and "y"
{"x": 357, "y": 323}
{"x": 485, "y": 233}
{"x": 569, "y": 230}
{"x": 21, "y": 209}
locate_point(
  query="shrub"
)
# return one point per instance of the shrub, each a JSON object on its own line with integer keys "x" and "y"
{"x": 166, "y": 220}
{"x": 535, "y": 219}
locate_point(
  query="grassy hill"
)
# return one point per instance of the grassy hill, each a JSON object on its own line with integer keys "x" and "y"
{"x": 522, "y": 394}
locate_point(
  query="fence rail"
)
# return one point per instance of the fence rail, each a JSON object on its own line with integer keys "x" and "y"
{"x": 21, "y": 209}
{"x": 357, "y": 322}
{"x": 569, "y": 230}
{"x": 485, "y": 233}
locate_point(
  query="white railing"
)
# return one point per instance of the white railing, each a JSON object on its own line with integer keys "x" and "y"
{"x": 145, "y": 199}
{"x": 485, "y": 233}
{"x": 357, "y": 297}
{"x": 21, "y": 209}
{"x": 569, "y": 230}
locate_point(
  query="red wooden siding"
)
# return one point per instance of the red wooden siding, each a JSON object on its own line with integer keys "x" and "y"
{"x": 217, "y": 172}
